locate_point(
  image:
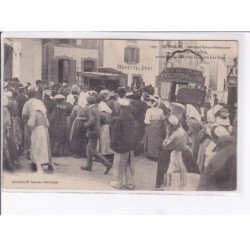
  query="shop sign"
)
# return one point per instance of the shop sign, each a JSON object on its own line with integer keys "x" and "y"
{"x": 134, "y": 67}
{"x": 183, "y": 75}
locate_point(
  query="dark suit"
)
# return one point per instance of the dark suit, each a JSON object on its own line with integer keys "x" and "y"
{"x": 93, "y": 133}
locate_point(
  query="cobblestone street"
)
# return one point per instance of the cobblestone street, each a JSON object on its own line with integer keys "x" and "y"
{"x": 69, "y": 176}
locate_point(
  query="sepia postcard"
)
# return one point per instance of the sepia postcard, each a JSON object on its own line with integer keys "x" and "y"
{"x": 119, "y": 114}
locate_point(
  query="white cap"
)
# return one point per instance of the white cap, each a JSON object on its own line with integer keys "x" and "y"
{"x": 8, "y": 94}
{"x": 222, "y": 122}
{"x": 33, "y": 88}
{"x": 59, "y": 96}
{"x": 221, "y": 131}
{"x": 123, "y": 102}
{"x": 104, "y": 91}
{"x": 173, "y": 120}
{"x": 217, "y": 108}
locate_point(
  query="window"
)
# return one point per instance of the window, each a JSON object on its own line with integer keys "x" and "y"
{"x": 79, "y": 42}
{"x": 88, "y": 65}
{"x": 131, "y": 55}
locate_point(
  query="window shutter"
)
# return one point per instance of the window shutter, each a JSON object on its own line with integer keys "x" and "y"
{"x": 126, "y": 55}
{"x": 137, "y": 55}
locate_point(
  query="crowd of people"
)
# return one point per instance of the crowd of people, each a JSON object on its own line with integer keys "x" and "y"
{"x": 45, "y": 120}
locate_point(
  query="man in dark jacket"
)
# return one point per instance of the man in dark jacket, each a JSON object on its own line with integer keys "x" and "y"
{"x": 122, "y": 142}
{"x": 139, "y": 110}
{"x": 93, "y": 133}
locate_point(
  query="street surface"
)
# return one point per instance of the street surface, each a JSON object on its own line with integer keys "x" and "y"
{"x": 69, "y": 176}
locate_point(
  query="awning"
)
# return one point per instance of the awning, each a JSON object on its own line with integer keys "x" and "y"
{"x": 99, "y": 75}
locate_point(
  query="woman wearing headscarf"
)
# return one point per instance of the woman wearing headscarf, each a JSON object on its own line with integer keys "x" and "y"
{"x": 194, "y": 127}
{"x": 59, "y": 129}
{"x": 78, "y": 139}
{"x": 182, "y": 159}
{"x": 216, "y": 131}
{"x": 223, "y": 120}
{"x": 179, "y": 110}
{"x": 73, "y": 96}
{"x": 26, "y": 113}
{"x": 221, "y": 172}
{"x": 40, "y": 151}
{"x": 154, "y": 119}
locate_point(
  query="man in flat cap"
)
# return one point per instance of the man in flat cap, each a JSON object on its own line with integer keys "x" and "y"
{"x": 93, "y": 133}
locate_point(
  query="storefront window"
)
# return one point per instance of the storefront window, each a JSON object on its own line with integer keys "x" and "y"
{"x": 88, "y": 65}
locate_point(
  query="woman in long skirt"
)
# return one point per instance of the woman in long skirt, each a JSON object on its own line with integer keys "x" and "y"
{"x": 78, "y": 139}
{"x": 40, "y": 151}
{"x": 182, "y": 159}
{"x": 154, "y": 119}
{"x": 59, "y": 128}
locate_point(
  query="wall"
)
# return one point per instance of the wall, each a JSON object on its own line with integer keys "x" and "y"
{"x": 76, "y": 54}
{"x": 148, "y": 66}
{"x": 30, "y": 60}
{"x": 221, "y": 80}
{"x": 26, "y": 59}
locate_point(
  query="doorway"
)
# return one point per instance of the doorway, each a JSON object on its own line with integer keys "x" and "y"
{"x": 63, "y": 70}
{"x": 135, "y": 80}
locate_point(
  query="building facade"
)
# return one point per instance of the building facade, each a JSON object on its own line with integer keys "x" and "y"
{"x": 63, "y": 58}
{"x": 135, "y": 58}
{"x": 23, "y": 59}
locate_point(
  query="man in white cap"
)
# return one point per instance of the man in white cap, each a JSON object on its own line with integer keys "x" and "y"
{"x": 123, "y": 144}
